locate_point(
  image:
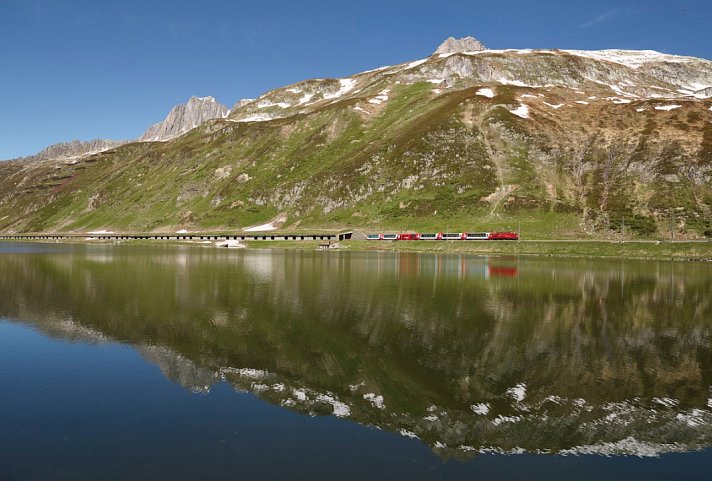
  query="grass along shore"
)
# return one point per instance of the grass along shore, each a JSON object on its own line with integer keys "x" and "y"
{"x": 657, "y": 250}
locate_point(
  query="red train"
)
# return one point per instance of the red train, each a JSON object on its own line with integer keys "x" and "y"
{"x": 445, "y": 236}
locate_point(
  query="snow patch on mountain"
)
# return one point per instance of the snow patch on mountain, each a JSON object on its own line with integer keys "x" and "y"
{"x": 667, "y": 107}
{"x": 485, "y": 93}
{"x": 381, "y": 97}
{"x": 521, "y": 111}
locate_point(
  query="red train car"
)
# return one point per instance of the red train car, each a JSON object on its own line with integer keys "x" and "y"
{"x": 503, "y": 236}
{"x": 409, "y": 236}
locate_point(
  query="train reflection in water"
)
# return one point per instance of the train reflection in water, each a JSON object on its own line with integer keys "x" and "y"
{"x": 412, "y": 264}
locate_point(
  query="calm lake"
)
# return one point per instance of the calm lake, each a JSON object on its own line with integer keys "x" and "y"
{"x": 192, "y": 363}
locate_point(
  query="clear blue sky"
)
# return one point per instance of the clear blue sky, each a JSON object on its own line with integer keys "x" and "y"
{"x": 83, "y": 69}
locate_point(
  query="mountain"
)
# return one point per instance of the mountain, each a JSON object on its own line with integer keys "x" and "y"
{"x": 185, "y": 117}
{"x": 568, "y": 143}
{"x": 180, "y": 119}
{"x": 69, "y": 151}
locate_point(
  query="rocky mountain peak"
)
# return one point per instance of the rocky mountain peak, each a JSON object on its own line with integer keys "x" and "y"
{"x": 198, "y": 101}
{"x": 185, "y": 117}
{"x": 74, "y": 149}
{"x": 458, "y": 45}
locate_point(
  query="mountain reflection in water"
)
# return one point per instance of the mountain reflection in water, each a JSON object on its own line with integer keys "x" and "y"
{"x": 469, "y": 354}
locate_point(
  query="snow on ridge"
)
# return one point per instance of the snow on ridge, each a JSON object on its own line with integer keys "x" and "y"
{"x": 346, "y": 84}
{"x": 264, "y": 104}
{"x": 305, "y": 98}
{"x": 629, "y": 58}
{"x": 485, "y": 92}
{"x": 667, "y": 107}
{"x": 555, "y": 107}
{"x": 377, "y": 69}
{"x": 415, "y": 64}
{"x": 255, "y": 118}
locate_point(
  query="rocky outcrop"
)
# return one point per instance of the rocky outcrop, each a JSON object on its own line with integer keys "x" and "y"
{"x": 458, "y": 45}
{"x": 185, "y": 117}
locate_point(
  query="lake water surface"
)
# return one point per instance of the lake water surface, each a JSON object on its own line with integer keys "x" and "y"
{"x": 189, "y": 363}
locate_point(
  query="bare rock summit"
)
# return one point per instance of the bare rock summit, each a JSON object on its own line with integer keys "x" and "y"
{"x": 185, "y": 117}
{"x": 457, "y": 45}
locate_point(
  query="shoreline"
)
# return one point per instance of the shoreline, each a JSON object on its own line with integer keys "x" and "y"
{"x": 690, "y": 251}
{"x": 646, "y": 250}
